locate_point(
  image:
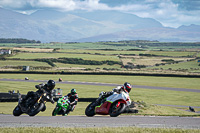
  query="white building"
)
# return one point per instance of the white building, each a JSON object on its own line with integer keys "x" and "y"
{"x": 5, "y": 51}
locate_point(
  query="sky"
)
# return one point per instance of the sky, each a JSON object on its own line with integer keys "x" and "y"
{"x": 170, "y": 13}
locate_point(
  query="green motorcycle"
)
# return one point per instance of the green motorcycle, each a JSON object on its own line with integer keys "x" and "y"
{"x": 62, "y": 107}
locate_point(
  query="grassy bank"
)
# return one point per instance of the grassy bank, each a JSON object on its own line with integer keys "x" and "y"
{"x": 97, "y": 130}
{"x": 7, "y": 108}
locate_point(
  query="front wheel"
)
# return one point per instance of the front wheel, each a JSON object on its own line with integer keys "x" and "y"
{"x": 55, "y": 111}
{"x": 35, "y": 109}
{"x": 90, "y": 110}
{"x": 116, "y": 109}
{"x": 17, "y": 111}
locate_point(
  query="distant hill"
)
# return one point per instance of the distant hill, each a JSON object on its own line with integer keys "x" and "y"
{"x": 51, "y": 25}
{"x": 162, "y": 34}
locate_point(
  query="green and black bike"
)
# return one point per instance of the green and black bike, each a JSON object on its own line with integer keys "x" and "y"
{"x": 62, "y": 107}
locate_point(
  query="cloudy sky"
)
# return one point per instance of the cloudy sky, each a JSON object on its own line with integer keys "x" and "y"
{"x": 172, "y": 13}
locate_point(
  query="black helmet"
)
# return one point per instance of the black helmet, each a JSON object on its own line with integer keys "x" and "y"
{"x": 73, "y": 91}
{"x": 51, "y": 84}
{"x": 127, "y": 87}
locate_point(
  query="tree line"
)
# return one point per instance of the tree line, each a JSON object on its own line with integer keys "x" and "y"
{"x": 77, "y": 61}
{"x": 17, "y": 40}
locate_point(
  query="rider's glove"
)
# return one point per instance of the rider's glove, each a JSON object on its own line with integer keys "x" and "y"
{"x": 52, "y": 101}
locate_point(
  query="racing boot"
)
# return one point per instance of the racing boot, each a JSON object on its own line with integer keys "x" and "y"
{"x": 64, "y": 111}
{"x": 67, "y": 112}
{"x": 22, "y": 104}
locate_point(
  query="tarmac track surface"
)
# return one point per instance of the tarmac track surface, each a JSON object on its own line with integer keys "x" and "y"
{"x": 100, "y": 121}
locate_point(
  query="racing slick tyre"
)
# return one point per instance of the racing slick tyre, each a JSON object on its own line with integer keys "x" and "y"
{"x": 35, "y": 109}
{"x": 90, "y": 111}
{"x": 116, "y": 109}
{"x": 55, "y": 111}
{"x": 17, "y": 111}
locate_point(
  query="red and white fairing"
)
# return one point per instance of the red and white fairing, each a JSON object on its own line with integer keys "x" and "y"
{"x": 123, "y": 97}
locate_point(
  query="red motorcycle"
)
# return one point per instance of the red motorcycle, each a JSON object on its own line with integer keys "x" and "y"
{"x": 113, "y": 105}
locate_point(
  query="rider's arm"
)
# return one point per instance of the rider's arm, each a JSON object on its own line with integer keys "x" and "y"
{"x": 118, "y": 89}
{"x": 40, "y": 86}
{"x": 51, "y": 97}
{"x": 75, "y": 101}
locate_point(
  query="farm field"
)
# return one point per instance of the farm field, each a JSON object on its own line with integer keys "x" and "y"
{"x": 130, "y": 56}
{"x": 128, "y": 61}
{"x": 60, "y": 55}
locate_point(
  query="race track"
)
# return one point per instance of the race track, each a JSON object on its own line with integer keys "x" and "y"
{"x": 99, "y": 121}
{"x": 107, "y": 84}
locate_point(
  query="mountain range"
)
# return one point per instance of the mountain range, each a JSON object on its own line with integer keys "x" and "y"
{"x": 85, "y": 26}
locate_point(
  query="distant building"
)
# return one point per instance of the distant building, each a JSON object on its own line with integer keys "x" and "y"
{"x": 5, "y": 51}
{"x": 25, "y": 68}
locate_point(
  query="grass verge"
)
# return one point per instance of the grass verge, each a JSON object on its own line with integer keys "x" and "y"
{"x": 97, "y": 130}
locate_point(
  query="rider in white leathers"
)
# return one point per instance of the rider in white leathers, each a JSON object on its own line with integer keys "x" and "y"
{"x": 125, "y": 88}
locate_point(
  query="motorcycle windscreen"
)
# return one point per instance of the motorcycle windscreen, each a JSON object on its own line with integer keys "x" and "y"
{"x": 103, "y": 109}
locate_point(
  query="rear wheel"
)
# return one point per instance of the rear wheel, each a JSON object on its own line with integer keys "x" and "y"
{"x": 17, "y": 111}
{"x": 35, "y": 109}
{"x": 90, "y": 110}
{"x": 116, "y": 109}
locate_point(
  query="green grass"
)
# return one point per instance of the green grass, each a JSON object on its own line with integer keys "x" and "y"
{"x": 7, "y": 108}
{"x": 152, "y": 96}
{"x": 59, "y": 55}
{"x": 175, "y": 82}
{"x": 91, "y": 51}
{"x": 23, "y": 63}
{"x": 96, "y": 130}
{"x": 191, "y": 65}
{"x": 106, "y": 52}
{"x": 172, "y": 53}
{"x": 75, "y": 66}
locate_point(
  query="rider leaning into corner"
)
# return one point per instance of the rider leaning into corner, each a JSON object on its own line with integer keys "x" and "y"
{"x": 48, "y": 87}
{"x": 125, "y": 88}
{"x": 73, "y": 98}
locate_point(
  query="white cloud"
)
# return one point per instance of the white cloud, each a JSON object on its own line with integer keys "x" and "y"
{"x": 58, "y": 4}
{"x": 12, "y": 3}
{"x": 165, "y": 11}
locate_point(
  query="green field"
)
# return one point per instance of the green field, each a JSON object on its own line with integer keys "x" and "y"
{"x": 105, "y": 52}
{"x": 66, "y": 55}
{"x": 133, "y": 56}
{"x": 22, "y": 63}
{"x": 191, "y": 66}
{"x": 173, "y": 53}
{"x": 174, "y": 82}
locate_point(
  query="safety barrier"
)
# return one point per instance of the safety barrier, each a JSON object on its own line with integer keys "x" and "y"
{"x": 13, "y": 97}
